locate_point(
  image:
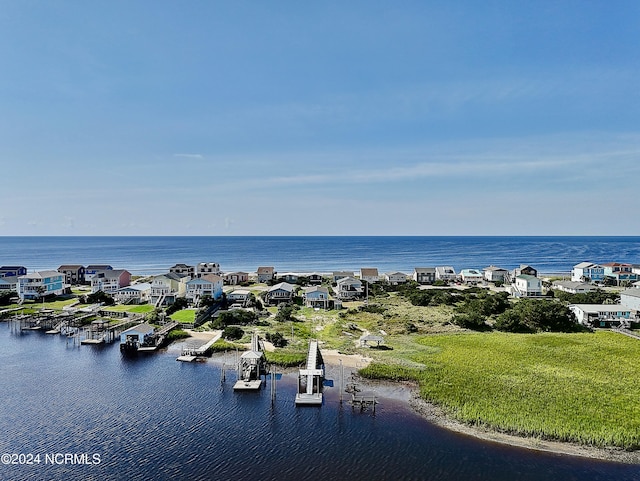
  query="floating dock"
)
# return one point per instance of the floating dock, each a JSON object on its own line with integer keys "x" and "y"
{"x": 253, "y": 364}
{"x": 311, "y": 378}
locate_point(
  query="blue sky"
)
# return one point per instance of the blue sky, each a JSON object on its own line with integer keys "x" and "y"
{"x": 313, "y": 118}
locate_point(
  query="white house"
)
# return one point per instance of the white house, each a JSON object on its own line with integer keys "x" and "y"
{"x": 631, "y": 298}
{"x": 526, "y": 286}
{"x": 348, "y": 288}
{"x": 235, "y": 278}
{"x": 282, "y": 292}
{"x": 395, "y": 278}
{"x": 602, "y": 315}
{"x": 587, "y": 271}
{"x": 446, "y": 273}
{"x": 134, "y": 294}
{"x": 369, "y": 274}
{"x": 495, "y": 274}
{"x": 238, "y": 296}
{"x": 573, "y": 287}
{"x": 8, "y": 284}
{"x": 207, "y": 268}
{"x": 471, "y": 276}
{"x": 207, "y": 285}
{"x": 316, "y": 296}
{"x": 39, "y": 284}
{"x": 341, "y": 275}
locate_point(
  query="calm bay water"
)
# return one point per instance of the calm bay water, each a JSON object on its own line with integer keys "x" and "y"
{"x": 149, "y": 255}
{"x": 152, "y": 418}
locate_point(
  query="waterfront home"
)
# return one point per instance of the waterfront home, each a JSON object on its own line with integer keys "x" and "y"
{"x": 369, "y": 274}
{"x": 290, "y": 277}
{"x": 526, "y": 285}
{"x": 446, "y": 273}
{"x": 630, "y": 298}
{"x": 183, "y": 270}
{"x": 573, "y": 287}
{"x": 109, "y": 281}
{"x": 495, "y": 274}
{"x": 587, "y": 272}
{"x": 282, "y": 292}
{"x": 207, "y": 285}
{"x": 265, "y": 274}
{"x": 424, "y": 275}
{"x": 234, "y": 278}
{"x": 73, "y": 274}
{"x": 471, "y": 276}
{"x": 207, "y": 268}
{"x": 239, "y": 296}
{"x": 315, "y": 278}
{"x": 316, "y": 297}
{"x": 13, "y": 271}
{"x": 602, "y": 315}
{"x": 395, "y": 278}
{"x": 134, "y": 294}
{"x": 619, "y": 272}
{"x": 165, "y": 288}
{"x": 92, "y": 269}
{"x": 524, "y": 269}
{"x": 341, "y": 275}
{"x": 40, "y": 284}
{"x": 8, "y": 284}
{"x": 348, "y": 288}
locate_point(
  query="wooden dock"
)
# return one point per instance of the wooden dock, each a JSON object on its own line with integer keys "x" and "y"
{"x": 311, "y": 378}
{"x": 192, "y": 354}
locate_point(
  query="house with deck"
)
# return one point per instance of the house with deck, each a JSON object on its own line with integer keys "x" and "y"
{"x": 109, "y": 281}
{"x": 207, "y": 285}
{"x": 619, "y": 272}
{"x": 13, "y": 271}
{"x": 8, "y": 284}
{"x": 524, "y": 269}
{"x": 265, "y": 274}
{"x": 134, "y": 294}
{"x": 369, "y": 274}
{"x": 207, "y": 268}
{"x": 40, "y": 284}
{"x": 73, "y": 274}
{"x": 526, "y": 285}
{"x": 316, "y": 297}
{"x": 603, "y": 315}
{"x": 446, "y": 273}
{"x": 573, "y": 287}
{"x": 348, "y": 288}
{"x": 395, "y": 278}
{"x": 315, "y": 278}
{"x": 239, "y": 296}
{"x": 235, "y": 278}
{"x": 471, "y": 276}
{"x": 337, "y": 275}
{"x": 183, "y": 270}
{"x": 424, "y": 275}
{"x": 166, "y": 288}
{"x": 587, "y": 272}
{"x": 495, "y": 274}
{"x": 281, "y": 292}
{"x": 92, "y": 269}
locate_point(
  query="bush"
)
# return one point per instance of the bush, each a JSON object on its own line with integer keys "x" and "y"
{"x": 99, "y": 298}
{"x": 537, "y": 315}
{"x": 232, "y": 333}
{"x": 236, "y": 317}
{"x": 276, "y": 339}
{"x": 178, "y": 305}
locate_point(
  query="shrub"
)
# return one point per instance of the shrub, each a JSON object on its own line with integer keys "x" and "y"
{"x": 232, "y": 333}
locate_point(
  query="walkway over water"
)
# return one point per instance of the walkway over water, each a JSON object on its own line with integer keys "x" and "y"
{"x": 311, "y": 377}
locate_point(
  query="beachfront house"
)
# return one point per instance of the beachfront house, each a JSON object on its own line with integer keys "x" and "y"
{"x": 13, "y": 271}
{"x": 602, "y": 315}
{"x": 166, "y": 288}
{"x": 109, "y": 281}
{"x": 239, "y": 296}
{"x": 92, "y": 269}
{"x": 573, "y": 287}
{"x": 587, "y": 272}
{"x": 524, "y": 269}
{"x": 207, "y": 285}
{"x": 369, "y": 274}
{"x": 619, "y": 272}
{"x": 471, "y": 276}
{"x": 134, "y": 294}
{"x": 290, "y": 277}
{"x": 8, "y": 284}
{"x": 73, "y": 274}
{"x": 315, "y": 278}
{"x": 495, "y": 274}
{"x": 40, "y": 284}
{"x": 316, "y": 297}
{"x": 395, "y": 278}
{"x": 630, "y": 298}
{"x": 265, "y": 274}
{"x": 446, "y": 273}
{"x": 526, "y": 286}
{"x": 282, "y": 292}
{"x": 424, "y": 275}
{"x": 207, "y": 268}
{"x": 235, "y": 278}
{"x": 183, "y": 270}
{"x": 348, "y": 288}
{"x": 336, "y": 276}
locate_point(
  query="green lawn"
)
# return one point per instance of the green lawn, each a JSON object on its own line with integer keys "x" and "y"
{"x": 570, "y": 387}
{"x": 185, "y": 316}
{"x": 133, "y": 309}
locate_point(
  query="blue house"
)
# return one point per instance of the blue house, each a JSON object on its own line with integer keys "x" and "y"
{"x": 40, "y": 284}
{"x": 13, "y": 271}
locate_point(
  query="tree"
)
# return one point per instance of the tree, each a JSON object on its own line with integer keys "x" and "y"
{"x": 536, "y": 315}
{"x": 232, "y": 333}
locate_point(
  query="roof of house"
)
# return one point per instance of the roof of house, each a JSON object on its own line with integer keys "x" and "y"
{"x": 445, "y": 269}
{"x": 616, "y": 264}
{"x": 239, "y": 292}
{"x": 396, "y": 273}
{"x": 143, "y": 286}
{"x": 285, "y": 286}
{"x": 494, "y": 269}
{"x": 70, "y": 267}
{"x": 111, "y": 273}
{"x": 470, "y": 272}
{"x": 309, "y": 290}
{"x": 368, "y": 271}
{"x": 144, "y": 328}
{"x": 633, "y": 292}
{"x": 14, "y": 280}
{"x": 237, "y": 273}
{"x": 574, "y": 285}
{"x": 526, "y": 277}
{"x": 424, "y": 270}
{"x": 601, "y": 307}
{"x": 212, "y": 277}
{"x": 182, "y": 266}
{"x": 265, "y": 270}
{"x": 99, "y": 267}
{"x": 348, "y": 279}
{"x": 11, "y": 268}
{"x": 586, "y": 265}
{"x": 41, "y": 274}
{"x": 343, "y": 273}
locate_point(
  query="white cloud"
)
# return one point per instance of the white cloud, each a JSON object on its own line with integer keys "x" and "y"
{"x": 190, "y": 156}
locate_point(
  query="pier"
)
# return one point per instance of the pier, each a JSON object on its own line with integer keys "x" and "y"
{"x": 311, "y": 378}
{"x": 192, "y": 354}
{"x": 102, "y": 331}
{"x": 252, "y": 365}
{"x": 144, "y": 338}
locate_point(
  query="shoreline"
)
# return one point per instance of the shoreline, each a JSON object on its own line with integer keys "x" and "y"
{"x": 434, "y": 414}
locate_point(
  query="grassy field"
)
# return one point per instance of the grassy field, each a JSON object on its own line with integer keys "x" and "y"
{"x": 185, "y": 316}
{"x": 133, "y": 309}
{"x": 569, "y": 387}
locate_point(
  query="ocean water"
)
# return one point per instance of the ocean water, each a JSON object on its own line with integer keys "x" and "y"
{"x": 150, "y": 255}
{"x": 152, "y": 418}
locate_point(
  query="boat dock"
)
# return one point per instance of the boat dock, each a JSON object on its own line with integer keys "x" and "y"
{"x": 191, "y": 354}
{"x": 310, "y": 378}
{"x": 252, "y": 365}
